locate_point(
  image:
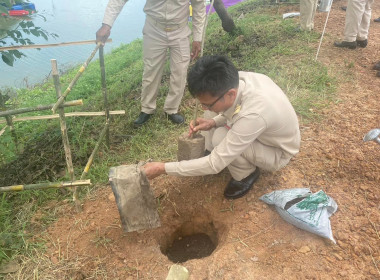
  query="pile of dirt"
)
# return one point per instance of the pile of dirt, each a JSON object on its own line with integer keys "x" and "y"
{"x": 252, "y": 241}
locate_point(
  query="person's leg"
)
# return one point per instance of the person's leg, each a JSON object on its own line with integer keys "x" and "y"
{"x": 354, "y": 15}
{"x": 366, "y": 19}
{"x": 154, "y": 57}
{"x": 257, "y": 155}
{"x": 179, "y": 61}
{"x": 314, "y": 9}
{"x": 306, "y": 14}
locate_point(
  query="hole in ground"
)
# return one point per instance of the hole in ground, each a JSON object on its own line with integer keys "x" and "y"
{"x": 191, "y": 241}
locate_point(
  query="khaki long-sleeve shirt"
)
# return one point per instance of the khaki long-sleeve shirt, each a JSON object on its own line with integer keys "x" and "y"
{"x": 261, "y": 112}
{"x": 164, "y": 11}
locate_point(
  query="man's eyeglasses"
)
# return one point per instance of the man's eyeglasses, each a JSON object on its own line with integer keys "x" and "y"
{"x": 208, "y": 107}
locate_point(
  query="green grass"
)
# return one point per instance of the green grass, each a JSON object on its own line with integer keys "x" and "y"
{"x": 263, "y": 43}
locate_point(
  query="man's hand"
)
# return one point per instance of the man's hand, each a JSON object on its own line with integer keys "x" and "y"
{"x": 195, "y": 50}
{"x": 201, "y": 124}
{"x": 153, "y": 169}
{"x": 103, "y": 33}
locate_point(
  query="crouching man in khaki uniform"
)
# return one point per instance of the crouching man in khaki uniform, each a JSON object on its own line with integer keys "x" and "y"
{"x": 166, "y": 28}
{"x": 253, "y": 126}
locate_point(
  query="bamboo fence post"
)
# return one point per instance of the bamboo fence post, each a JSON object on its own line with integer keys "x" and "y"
{"x": 104, "y": 89}
{"x": 96, "y": 148}
{"x": 65, "y": 138}
{"x": 78, "y": 183}
{"x": 9, "y": 122}
{"x": 56, "y": 116}
{"x": 63, "y": 44}
{"x": 3, "y": 130}
{"x": 79, "y": 73}
{"x": 39, "y": 108}
{"x": 205, "y": 27}
{"x": 13, "y": 131}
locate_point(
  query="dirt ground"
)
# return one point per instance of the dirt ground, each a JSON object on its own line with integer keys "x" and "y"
{"x": 252, "y": 240}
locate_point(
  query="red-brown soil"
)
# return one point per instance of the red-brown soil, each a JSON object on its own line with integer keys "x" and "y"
{"x": 253, "y": 242}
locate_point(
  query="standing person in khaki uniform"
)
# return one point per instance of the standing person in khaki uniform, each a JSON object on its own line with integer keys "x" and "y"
{"x": 358, "y": 18}
{"x": 166, "y": 28}
{"x": 307, "y": 13}
{"x": 254, "y": 126}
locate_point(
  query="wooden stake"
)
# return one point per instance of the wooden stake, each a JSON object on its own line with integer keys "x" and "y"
{"x": 195, "y": 114}
{"x": 39, "y": 108}
{"x": 79, "y": 73}
{"x": 65, "y": 137}
{"x": 104, "y": 89}
{"x": 50, "y": 45}
{"x": 79, "y": 183}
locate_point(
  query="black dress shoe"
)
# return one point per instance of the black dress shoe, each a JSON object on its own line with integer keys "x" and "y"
{"x": 236, "y": 189}
{"x": 143, "y": 118}
{"x": 175, "y": 118}
{"x": 362, "y": 43}
{"x": 345, "y": 44}
{"x": 344, "y": 8}
{"x": 207, "y": 152}
{"x": 377, "y": 19}
{"x": 377, "y": 66}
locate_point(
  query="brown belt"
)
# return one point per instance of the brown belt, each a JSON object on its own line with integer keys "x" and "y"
{"x": 166, "y": 27}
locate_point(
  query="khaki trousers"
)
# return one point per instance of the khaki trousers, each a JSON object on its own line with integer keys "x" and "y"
{"x": 358, "y": 17}
{"x": 257, "y": 154}
{"x": 307, "y": 13}
{"x": 156, "y": 43}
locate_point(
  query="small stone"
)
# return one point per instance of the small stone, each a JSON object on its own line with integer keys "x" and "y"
{"x": 363, "y": 187}
{"x": 304, "y": 249}
{"x": 9, "y": 267}
{"x": 178, "y": 272}
{"x": 111, "y": 197}
{"x": 255, "y": 259}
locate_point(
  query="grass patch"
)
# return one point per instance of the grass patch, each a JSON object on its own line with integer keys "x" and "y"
{"x": 263, "y": 43}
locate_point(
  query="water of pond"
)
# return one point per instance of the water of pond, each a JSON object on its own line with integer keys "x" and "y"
{"x": 72, "y": 20}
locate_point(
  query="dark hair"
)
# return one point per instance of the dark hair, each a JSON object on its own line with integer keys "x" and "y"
{"x": 213, "y": 75}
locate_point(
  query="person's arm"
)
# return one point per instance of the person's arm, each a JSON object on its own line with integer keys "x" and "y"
{"x": 239, "y": 137}
{"x": 198, "y": 19}
{"x": 113, "y": 9}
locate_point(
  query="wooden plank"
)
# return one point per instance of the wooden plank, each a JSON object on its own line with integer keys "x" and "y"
{"x": 63, "y": 44}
